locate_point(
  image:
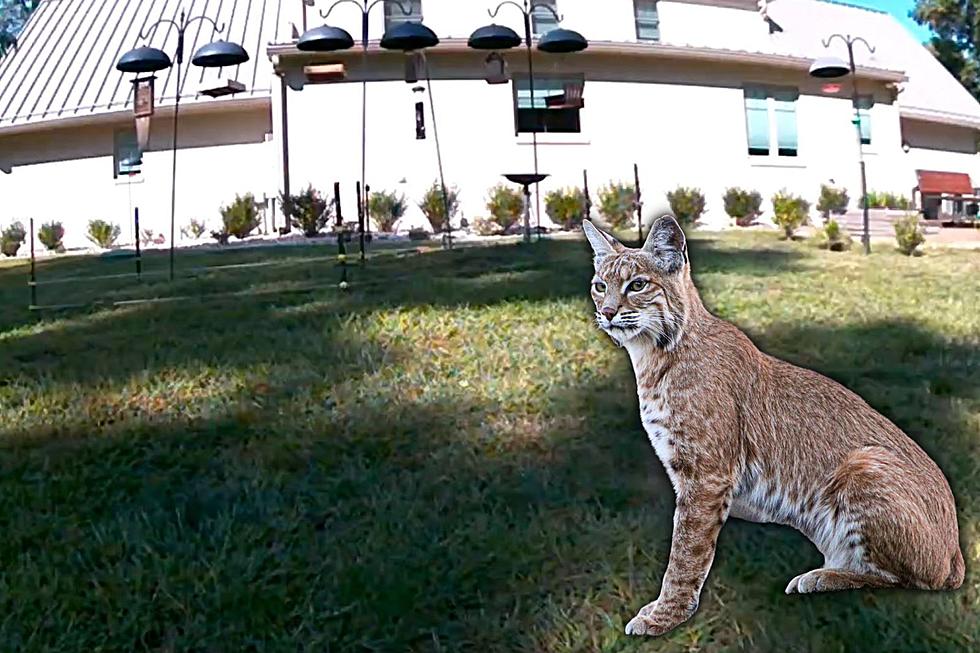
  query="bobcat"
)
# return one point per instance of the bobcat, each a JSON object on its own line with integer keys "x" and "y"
{"x": 742, "y": 434}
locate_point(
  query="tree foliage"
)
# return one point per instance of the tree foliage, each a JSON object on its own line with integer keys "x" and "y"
{"x": 13, "y": 17}
{"x": 956, "y": 24}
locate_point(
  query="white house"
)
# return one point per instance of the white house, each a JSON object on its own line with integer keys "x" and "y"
{"x": 706, "y": 93}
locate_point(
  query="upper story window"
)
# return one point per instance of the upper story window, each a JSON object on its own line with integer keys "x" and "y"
{"x": 542, "y": 20}
{"x": 554, "y": 107}
{"x": 647, "y": 20}
{"x": 770, "y": 120}
{"x": 865, "y": 102}
{"x": 395, "y": 16}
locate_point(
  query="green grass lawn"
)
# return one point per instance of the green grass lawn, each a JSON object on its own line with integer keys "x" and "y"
{"x": 446, "y": 457}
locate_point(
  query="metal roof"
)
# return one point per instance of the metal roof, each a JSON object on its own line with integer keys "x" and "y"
{"x": 64, "y": 63}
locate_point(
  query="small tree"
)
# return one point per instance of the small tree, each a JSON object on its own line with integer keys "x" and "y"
{"x": 743, "y": 205}
{"x": 909, "y": 234}
{"x": 434, "y": 206}
{"x": 387, "y": 208}
{"x": 194, "y": 230}
{"x": 566, "y": 206}
{"x": 309, "y": 211}
{"x": 103, "y": 234}
{"x": 12, "y": 238}
{"x": 687, "y": 204}
{"x": 832, "y": 201}
{"x": 506, "y": 205}
{"x": 240, "y": 218}
{"x": 51, "y": 235}
{"x": 790, "y": 212}
{"x": 617, "y": 204}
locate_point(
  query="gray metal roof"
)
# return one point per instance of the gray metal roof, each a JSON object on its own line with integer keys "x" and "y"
{"x": 64, "y": 63}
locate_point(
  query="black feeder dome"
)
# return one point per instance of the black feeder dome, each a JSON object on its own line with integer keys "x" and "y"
{"x": 829, "y": 68}
{"x": 218, "y": 54}
{"x": 409, "y": 36}
{"x": 143, "y": 60}
{"x": 562, "y": 41}
{"x": 325, "y": 39}
{"x": 494, "y": 37}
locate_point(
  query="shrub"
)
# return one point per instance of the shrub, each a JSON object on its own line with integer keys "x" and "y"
{"x": 240, "y": 218}
{"x": 834, "y": 238}
{"x": 743, "y": 205}
{"x": 221, "y": 236}
{"x": 387, "y": 208}
{"x": 506, "y": 205}
{"x": 832, "y": 200}
{"x": 434, "y": 207}
{"x": 102, "y": 233}
{"x": 909, "y": 234}
{"x": 687, "y": 204}
{"x": 617, "y": 204}
{"x": 195, "y": 229}
{"x": 790, "y": 212}
{"x": 12, "y": 238}
{"x": 51, "y": 234}
{"x": 900, "y": 202}
{"x": 146, "y": 236}
{"x": 309, "y": 211}
{"x": 418, "y": 234}
{"x": 565, "y": 206}
{"x": 486, "y": 227}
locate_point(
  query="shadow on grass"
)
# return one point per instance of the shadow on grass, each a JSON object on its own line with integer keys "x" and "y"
{"x": 439, "y": 522}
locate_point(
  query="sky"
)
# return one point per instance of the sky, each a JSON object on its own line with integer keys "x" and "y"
{"x": 900, "y": 9}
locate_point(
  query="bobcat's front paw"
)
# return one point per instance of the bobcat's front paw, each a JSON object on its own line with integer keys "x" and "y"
{"x": 654, "y": 620}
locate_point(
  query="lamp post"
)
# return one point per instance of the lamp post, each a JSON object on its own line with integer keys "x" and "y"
{"x": 407, "y": 36}
{"x": 147, "y": 59}
{"x": 556, "y": 41}
{"x": 831, "y": 68}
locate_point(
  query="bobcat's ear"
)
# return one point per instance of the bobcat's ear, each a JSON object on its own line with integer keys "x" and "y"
{"x": 602, "y": 243}
{"x": 667, "y": 244}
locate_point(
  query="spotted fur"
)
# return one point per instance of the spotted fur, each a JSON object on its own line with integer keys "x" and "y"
{"x": 742, "y": 434}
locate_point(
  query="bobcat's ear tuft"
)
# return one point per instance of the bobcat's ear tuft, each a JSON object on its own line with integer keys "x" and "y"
{"x": 602, "y": 243}
{"x": 667, "y": 244}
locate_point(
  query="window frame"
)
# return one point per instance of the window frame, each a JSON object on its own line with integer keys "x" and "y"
{"x": 394, "y": 16}
{"x": 864, "y": 114}
{"x": 775, "y": 97}
{"x": 547, "y": 15}
{"x": 645, "y": 23}
{"x": 542, "y": 82}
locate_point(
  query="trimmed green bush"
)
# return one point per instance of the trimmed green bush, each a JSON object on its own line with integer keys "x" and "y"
{"x": 309, "y": 211}
{"x": 565, "y": 206}
{"x": 506, "y": 205}
{"x": 834, "y": 238}
{"x": 789, "y": 212}
{"x": 12, "y": 238}
{"x": 103, "y": 234}
{"x": 687, "y": 204}
{"x": 387, "y": 208}
{"x": 434, "y": 207}
{"x": 909, "y": 234}
{"x": 51, "y": 235}
{"x": 743, "y": 205}
{"x": 617, "y": 204}
{"x": 832, "y": 201}
{"x": 240, "y": 218}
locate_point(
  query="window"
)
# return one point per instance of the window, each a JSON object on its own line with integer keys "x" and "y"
{"x": 647, "y": 20}
{"x": 542, "y": 20}
{"x": 770, "y": 120}
{"x": 395, "y": 16}
{"x": 555, "y": 106}
{"x": 126, "y": 155}
{"x": 864, "y": 104}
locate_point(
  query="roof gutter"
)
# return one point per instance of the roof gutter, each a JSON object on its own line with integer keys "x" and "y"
{"x": 282, "y": 52}
{"x": 941, "y": 117}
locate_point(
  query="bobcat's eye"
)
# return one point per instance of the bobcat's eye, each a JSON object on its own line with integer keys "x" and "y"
{"x": 599, "y": 287}
{"x": 637, "y": 285}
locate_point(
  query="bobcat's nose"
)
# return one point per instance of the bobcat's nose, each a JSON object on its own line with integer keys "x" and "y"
{"x": 609, "y": 312}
